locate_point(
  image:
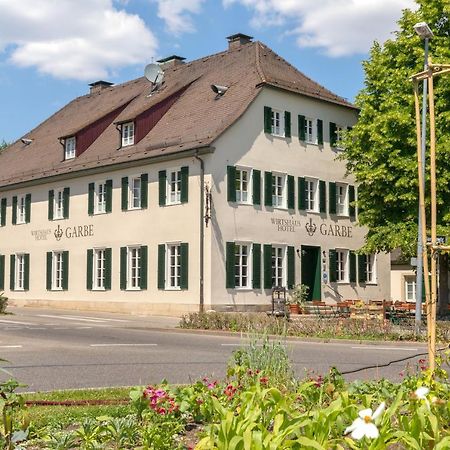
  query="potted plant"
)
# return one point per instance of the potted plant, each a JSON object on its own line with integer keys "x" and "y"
{"x": 297, "y": 297}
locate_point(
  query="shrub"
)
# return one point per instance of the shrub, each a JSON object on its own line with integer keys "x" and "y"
{"x": 3, "y": 303}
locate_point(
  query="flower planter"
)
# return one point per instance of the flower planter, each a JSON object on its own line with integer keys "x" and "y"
{"x": 294, "y": 309}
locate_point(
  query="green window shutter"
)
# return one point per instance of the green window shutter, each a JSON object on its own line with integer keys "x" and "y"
{"x": 65, "y": 268}
{"x": 351, "y": 200}
{"x": 291, "y": 191}
{"x": 123, "y": 268}
{"x": 362, "y": 274}
{"x": 89, "y": 268}
{"x": 109, "y": 191}
{"x": 162, "y": 176}
{"x": 144, "y": 267}
{"x": 144, "y": 190}
{"x": 267, "y": 255}
{"x": 184, "y": 255}
{"x": 332, "y": 198}
{"x": 267, "y": 119}
{"x": 332, "y": 263}
{"x": 352, "y": 267}
{"x": 301, "y": 128}
{"x": 26, "y": 271}
{"x": 333, "y": 136}
{"x": 108, "y": 268}
{"x": 66, "y": 201}
{"x": 3, "y": 212}
{"x": 162, "y": 266}
{"x": 256, "y": 266}
{"x": 91, "y": 195}
{"x": 184, "y": 195}
{"x": 230, "y": 265}
{"x": 322, "y": 196}
{"x": 256, "y": 174}
{"x": 124, "y": 193}
{"x": 28, "y": 208}
{"x": 301, "y": 193}
{"x": 268, "y": 188}
{"x": 290, "y": 267}
{"x": 287, "y": 124}
{"x": 14, "y": 210}
{"x": 2, "y": 272}
{"x": 320, "y": 132}
{"x": 51, "y": 199}
{"x": 231, "y": 183}
{"x": 49, "y": 270}
{"x": 12, "y": 272}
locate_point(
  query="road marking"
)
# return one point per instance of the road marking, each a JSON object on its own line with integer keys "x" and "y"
{"x": 123, "y": 345}
{"x": 243, "y": 344}
{"x": 10, "y": 346}
{"x": 98, "y": 318}
{"x": 37, "y": 328}
{"x": 370, "y": 347}
{"x": 16, "y": 322}
{"x": 83, "y": 328}
{"x": 72, "y": 318}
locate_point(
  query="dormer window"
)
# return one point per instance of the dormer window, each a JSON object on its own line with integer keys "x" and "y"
{"x": 69, "y": 148}
{"x": 127, "y": 134}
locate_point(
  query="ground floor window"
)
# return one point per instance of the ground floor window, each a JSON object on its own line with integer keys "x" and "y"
{"x": 99, "y": 268}
{"x": 342, "y": 266}
{"x": 410, "y": 289}
{"x": 242, "y": 265}
{"x": 174, "y": 266}
{"x": 134, "y": 268}
{"x": 371, "y": 268}
{"x": 278, "y": 266}
{"x": 20, "y": 269}
{"x": 57, "y": 270}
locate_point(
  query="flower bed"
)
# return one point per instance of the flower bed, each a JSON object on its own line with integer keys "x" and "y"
{"x": 304, "y": 326}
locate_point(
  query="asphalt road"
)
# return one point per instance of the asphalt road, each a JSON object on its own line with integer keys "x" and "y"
{"x": 54, "y": 349}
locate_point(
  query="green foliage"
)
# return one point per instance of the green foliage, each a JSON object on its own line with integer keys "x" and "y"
{"x": 3, "y": 303}
{"x": 298, "y": 295}
{"x": 381, "y": 147}
{"x": 3, "y": 144}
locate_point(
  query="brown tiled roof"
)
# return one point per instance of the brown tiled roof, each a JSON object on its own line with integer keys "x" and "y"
{"x": 195, "y": 120}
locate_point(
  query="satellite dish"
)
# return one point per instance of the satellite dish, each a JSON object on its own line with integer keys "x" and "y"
{"x": 154, "y": 74}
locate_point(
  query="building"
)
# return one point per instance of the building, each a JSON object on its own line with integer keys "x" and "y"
{"x": 200, "y": 191}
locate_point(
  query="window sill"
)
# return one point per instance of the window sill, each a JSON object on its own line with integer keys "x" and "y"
{"x": 371, "y": 283}
{"x": 313, "y": 211}
{"x": 244, "y": 203}
{"x": 133, "y": 289}
{"x": 135, "y": 209}
{"x": 98, "y": 289}
{"x": 281, "y": 208}
{"x": 99, "y": 213}
{"x": 344, "y": 216}
{"x": 173, "y": 204}
{"x": 243, "y": 289}
{"x": 168, "y": 288}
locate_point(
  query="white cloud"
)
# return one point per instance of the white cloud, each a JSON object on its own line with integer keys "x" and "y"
{"x": 339, "y": 27}
{"x": 82, "y": 39}
{"x": 176, "y": 14}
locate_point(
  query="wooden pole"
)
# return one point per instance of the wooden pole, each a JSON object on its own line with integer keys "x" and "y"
{"x": 420, "y": 164}
{"x": 434, "y": 253}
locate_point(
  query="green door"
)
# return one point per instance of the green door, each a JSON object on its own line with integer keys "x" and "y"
{"x": 311, "y": 276}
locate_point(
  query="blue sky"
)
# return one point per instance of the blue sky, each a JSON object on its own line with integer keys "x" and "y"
{"x": 51, "y": 49}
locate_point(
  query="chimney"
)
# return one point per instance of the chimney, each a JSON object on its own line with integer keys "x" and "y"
{"x": 170, "y": 61}
{"x": 238, "y": 40}
{"x": 98, "y": 86}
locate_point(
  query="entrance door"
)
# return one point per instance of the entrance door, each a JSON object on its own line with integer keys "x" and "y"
{"x": 310, "y": 263}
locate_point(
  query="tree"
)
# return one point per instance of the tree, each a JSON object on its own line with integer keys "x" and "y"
{"x": 381, "y": 148}
{"x": 3, "y": 144}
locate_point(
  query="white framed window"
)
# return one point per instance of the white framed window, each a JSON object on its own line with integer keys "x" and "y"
{"x": 279, "y": 190}
{"x": 174, "y": 187}
{"x": 410, "y": 288}
{"x": 342, "y": 266}
{"x": 21, "y": 209}
{"x": 135, "y": 193}
{"x": 127, "y": 134}
{"x": 371, "y": 275}
{"x": 19, "y": 275}
{"x": 310, "y": 131}
{"x": 134, "y": 268}
{"x": 277, "y": 123}
{"x": 98, "y": 268}
{"x": 100, "y": 198}
{"x": 339, "y": 135}
{"x": 173, "y": 266}
{"x": 243, "y": 178}
{"x": 57, "y": 271}
{"x": 242, "y": 265}
{"x": 342, "y": 199}
{"x": 58, "y": 204}
{"x": 70, "y": 148}
{"x": 311, "y": 194}
{"x": 278, "y": 265}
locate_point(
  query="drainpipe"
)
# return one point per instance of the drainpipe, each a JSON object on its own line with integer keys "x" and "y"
{"x": 202, "y": 232}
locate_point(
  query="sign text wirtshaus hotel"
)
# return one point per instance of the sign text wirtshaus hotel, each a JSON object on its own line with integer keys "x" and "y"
{"x": 325, "y": 229}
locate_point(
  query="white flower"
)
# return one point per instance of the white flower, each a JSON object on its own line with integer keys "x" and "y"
{"x": 421, "y": 393}
{"x": 364, "y": 426}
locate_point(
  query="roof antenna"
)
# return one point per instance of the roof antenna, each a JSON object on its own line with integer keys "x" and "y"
{"x": 155, "y": 75}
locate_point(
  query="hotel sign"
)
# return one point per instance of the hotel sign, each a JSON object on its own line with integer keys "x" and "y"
{"x": 312, "y": 228}
{"x": 70, "y": 232}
